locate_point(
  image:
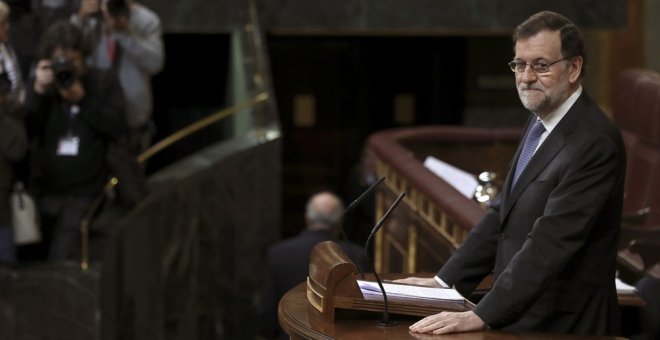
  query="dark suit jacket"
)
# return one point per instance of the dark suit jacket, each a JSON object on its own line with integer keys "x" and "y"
{"x": 287, "y": 265}
{"x": 550, "y": 241}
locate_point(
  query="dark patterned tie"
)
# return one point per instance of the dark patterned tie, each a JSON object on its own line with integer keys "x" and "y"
{"x": 529, "y": 147}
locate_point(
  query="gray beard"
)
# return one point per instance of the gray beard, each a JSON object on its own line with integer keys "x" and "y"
{"x": 547, "y": 103}
{"x": 536, "y": 107}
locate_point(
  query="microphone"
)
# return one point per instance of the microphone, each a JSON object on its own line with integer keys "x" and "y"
{"x": 350, "y": 208}
{"x": 386, "y": 322}
{"x": 363, "y": 195}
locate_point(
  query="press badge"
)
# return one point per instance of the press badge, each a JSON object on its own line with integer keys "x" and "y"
{"x": 68, "y": 146}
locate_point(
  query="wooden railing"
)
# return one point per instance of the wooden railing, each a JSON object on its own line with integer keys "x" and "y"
{"x": 435, "y": 218}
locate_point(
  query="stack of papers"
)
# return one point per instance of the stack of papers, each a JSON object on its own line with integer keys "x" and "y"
{"x": 402, "y": 290}
{"x": 622, "y": 287}
{"x": 463, "y": 181}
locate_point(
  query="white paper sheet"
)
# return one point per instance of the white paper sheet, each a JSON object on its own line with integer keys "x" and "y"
{"x": 622, "y": 287}
{"x": 447, "y": 294}
{"x": 464, "y": 182}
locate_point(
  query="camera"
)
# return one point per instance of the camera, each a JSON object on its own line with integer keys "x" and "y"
{"x": 64, "y": 72}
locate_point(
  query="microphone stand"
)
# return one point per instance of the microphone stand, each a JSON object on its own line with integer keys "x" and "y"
{"x": 385, "y": 322}
{"x": 343, "y": 221}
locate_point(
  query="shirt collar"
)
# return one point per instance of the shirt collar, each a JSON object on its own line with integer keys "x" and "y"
{"x": 554, "y": 117}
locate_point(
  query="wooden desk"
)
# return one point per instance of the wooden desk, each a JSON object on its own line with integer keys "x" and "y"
{"x": 624, "y": 299}
{"x": 301, "y": 321}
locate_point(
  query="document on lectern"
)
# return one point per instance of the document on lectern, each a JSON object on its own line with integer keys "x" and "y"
{"x": 463, "y": 181}
{"x": 410, "y": 291}
{"x": 622, "y": 287}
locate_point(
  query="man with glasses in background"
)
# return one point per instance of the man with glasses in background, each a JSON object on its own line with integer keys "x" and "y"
{"x": 550, "y": 238}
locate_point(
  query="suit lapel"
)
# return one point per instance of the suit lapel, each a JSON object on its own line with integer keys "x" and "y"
{"x": 542, "y": 157}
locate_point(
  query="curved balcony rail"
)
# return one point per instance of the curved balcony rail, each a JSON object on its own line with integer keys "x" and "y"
{"x": 436, "y": 217}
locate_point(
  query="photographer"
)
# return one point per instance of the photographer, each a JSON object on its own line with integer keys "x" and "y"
{"x": 126, "y": 36}
{"x": 13, "y": 139}
{"x": 73, "y": 113}
{"x": 13, "y": 146}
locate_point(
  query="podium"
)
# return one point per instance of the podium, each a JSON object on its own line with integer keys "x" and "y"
{"x": 330, "y": 305}
{"x": 332, "y": 284}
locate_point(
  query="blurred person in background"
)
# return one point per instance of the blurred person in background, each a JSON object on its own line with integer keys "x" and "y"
{"x": 13, "y": 138}
{"x": 8, "y": 61}
{"x": 126, "y": 37}
{"x": 74, "y": 112}
{"x": 13, "y": 147}
{"x": 287, "y": 262}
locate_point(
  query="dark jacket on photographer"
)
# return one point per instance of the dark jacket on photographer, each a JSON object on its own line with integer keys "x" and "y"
{"x": 95, "y": 121}
{"x": 13, "y": 146}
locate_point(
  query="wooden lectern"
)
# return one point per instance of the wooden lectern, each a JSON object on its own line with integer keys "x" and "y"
{"x": 332, "y": 284}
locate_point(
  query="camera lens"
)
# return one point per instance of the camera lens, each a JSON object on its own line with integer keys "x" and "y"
{"x": 64, "y": 79}
{"x": 64, "y": 72}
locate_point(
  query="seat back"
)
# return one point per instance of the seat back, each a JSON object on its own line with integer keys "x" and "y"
{"x": 636, "y": 110}
{"x": 649, "y": 136}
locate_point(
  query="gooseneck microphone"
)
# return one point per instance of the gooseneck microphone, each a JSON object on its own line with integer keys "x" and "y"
{"x": 363, "y": 195}
{"x": 386, "y": 322}
{"x": 350, "y": 208}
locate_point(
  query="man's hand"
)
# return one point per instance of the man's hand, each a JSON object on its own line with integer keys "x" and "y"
{"x": 449, "y": 322}
{"x": 88, "y": 8}
{"x": 419, "y": 281}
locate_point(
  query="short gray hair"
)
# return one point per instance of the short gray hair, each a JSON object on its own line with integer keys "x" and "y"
{"x": 324, "y": 218}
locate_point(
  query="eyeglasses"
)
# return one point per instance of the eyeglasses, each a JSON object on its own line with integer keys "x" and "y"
{"x": 537, "y": 66}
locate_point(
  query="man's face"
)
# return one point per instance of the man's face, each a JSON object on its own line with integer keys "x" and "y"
{"x": 119, "y": 21}
{"x": 542, "y": 93}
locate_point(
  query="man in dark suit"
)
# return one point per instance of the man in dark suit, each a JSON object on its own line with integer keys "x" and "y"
{"x": 550, "y": 238}
{"x": 287, "y": 262}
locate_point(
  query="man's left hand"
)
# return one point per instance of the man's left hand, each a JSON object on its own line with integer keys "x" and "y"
{"x": 449, "y": 322}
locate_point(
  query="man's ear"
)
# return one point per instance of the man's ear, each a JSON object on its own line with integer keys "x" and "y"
{"x": 575, "y": 69}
